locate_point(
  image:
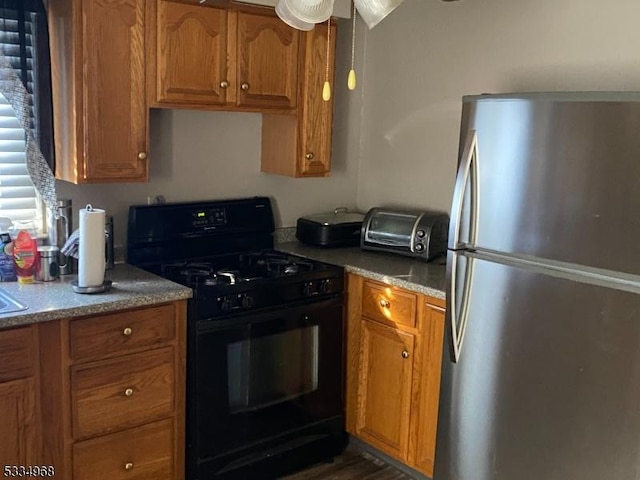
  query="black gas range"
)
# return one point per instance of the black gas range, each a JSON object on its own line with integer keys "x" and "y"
{"x": 230, "y": 284}
{"x": 264, "y": 337}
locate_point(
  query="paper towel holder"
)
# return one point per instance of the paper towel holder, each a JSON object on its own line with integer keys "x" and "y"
{"x": 106, "y": 285}
{"x": 96, "y": 288}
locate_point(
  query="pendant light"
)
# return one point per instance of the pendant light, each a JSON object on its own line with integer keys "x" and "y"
{"x": 307, "y": 11}
{"x": 374, "y": 11}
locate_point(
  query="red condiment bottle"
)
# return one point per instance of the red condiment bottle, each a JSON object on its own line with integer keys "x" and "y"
{"x": 25, "y": 256}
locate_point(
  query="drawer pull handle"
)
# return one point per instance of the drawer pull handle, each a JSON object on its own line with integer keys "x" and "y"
{"x": 385, "y": 303}
{"x": 224, "y": 83}
{"x": 128, "y": 466}
{"x": 128, "y": 392}
{"x": 127, "y": 332}
{"x": 142, "y": 156}
{"x": 405, "y": 354}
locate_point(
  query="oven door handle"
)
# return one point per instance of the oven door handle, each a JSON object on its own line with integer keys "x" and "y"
{"x": 306, "y": 309}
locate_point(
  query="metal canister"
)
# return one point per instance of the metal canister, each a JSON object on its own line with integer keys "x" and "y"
{"x": 48, "y": 268}
{"x": 64, "y": 228}
{"x": 109, "y": 249}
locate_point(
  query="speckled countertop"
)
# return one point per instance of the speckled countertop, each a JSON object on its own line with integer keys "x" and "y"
{"x": 132, "y": 287}
{"x": 428, "y": 278}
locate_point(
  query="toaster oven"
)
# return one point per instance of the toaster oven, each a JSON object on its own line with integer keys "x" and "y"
{"x": 413, "y": 233}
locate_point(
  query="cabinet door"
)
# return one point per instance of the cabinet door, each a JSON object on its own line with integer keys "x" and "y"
{"x": 384, "y": 391}
{"x": 113, "y": 102}
{"x": 267, "y": 62}
{"x": 192, "y": 54}
{"x": 18, "y": 442}
{"x": 316, "y": 117}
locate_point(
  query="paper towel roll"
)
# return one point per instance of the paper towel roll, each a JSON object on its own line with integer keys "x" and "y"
{"x": 91, "y": 245}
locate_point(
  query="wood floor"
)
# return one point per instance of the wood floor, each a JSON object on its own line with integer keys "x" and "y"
{"x": 351, "y": 465}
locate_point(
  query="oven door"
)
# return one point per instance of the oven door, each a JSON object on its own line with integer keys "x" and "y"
{"x": 263, "y": 375}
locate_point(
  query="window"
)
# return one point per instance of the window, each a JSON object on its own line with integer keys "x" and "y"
{"x": 24, "y": 42}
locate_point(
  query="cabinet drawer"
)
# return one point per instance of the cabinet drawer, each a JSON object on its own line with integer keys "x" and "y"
{"x": 16, "y": 353}
{"x": 388, "y": 304}
{"x": 144, "y": 453}
{"x": 119, "y": 333}
{"x": 122, "y": 392}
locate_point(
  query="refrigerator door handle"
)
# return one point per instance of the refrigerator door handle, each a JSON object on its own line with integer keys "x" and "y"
{"x": 468, "y": 170}
{"x": 459, "y": 318}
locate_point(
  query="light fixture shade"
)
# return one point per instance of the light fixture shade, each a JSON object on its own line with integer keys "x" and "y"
{"x": 373, "y": 11}
{"x": 310, "y": 11}
{"x": 288, "y": 17}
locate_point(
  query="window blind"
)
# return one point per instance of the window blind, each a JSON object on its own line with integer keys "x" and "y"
{"x": 20, "y": 26}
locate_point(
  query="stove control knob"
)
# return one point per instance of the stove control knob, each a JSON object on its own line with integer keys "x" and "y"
{"x": 421, "y": 233}
{"x": 307, "y": 291}
{"x": 419, "y": 247}
{"x": 225, "y": 304}
{"x": 325, "y": 286}
{"x": 247, "y": 301}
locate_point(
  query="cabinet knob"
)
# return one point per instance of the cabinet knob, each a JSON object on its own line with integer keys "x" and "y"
{"x": 127, "y": 332}
{"x": 244, "y": 86}
{"x": 309, "y": 156}
{"x": 142, "y": 156}
{"x": 405, "y": 354}
{"x": 385, "y": 303}
{"x": 128, "y": 466}
{"x": 128, "y": 392}
{"x": 224, "y": 84}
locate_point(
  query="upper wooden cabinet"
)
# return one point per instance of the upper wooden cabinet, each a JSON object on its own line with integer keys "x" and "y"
{"x": 300, "y": 145}
{"x": 394, "y": 358}
{"x": 112, "y": 60}
{"x": 207, "y": 57}
{"x": 99, "y": 97}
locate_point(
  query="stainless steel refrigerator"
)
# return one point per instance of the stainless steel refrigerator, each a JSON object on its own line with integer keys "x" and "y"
{"x": 542, "y": 377}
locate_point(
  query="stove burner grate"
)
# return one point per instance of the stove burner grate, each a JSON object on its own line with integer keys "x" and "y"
{"x": 232, "y": 270}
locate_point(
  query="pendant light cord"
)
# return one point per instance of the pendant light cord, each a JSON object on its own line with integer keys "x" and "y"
{"x": 351, "y": 80}
{"x": 326, "y": 90}
{"x": 353, "y": 38}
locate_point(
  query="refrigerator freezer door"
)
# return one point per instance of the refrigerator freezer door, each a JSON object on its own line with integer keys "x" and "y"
{"x": 547, "y": 383}
{"x": 557, "y": 178}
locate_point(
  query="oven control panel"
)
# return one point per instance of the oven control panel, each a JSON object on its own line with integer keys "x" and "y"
{"x": 208, "y": 218}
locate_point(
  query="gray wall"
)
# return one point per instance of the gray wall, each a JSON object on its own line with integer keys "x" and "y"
{"x": 423, "y": 57}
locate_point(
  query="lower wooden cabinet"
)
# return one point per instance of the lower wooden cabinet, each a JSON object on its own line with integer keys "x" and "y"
{"x": 113, "y": 394}
{"x": 394, "y": 355}
{"x": 18, "y": 399}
